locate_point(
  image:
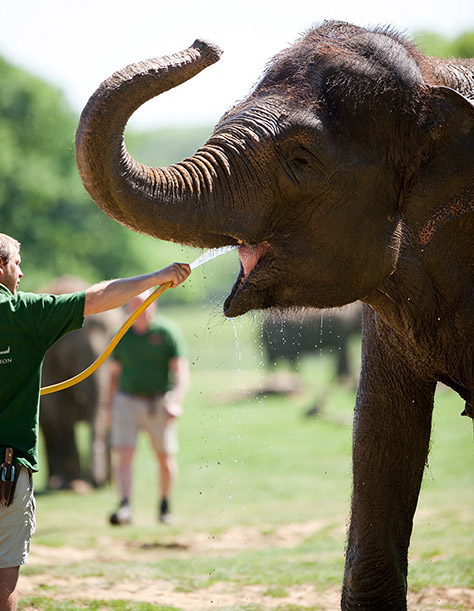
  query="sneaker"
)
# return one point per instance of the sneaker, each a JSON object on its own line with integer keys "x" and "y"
{"x": 165, "y": 516}
{"x": 123, "y": 515}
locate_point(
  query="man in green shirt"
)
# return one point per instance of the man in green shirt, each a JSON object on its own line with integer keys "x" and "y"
{"x": 149, "y": 379}
{"x": 29, "y": 325}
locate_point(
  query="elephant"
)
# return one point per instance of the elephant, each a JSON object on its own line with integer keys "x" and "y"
{"x": 60, "y": 411}
{"x": 345, "y": 174}
{"x": 292, "y": 336}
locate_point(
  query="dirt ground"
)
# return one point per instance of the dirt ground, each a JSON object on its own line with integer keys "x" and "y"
{"x": 219, "y": 595}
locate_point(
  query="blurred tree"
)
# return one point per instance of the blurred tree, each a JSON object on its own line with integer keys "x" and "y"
{"x": 463, "y": 45}
{"x": 438, "y": 45}
{"x": 163, "y": 146}
{"x": 42, "y": 201}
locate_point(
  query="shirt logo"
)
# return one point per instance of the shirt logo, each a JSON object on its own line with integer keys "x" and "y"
{"x": 4, "y": 353}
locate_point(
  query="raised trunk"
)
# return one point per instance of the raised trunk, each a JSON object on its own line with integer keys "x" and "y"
{"x": 162, "y": 202}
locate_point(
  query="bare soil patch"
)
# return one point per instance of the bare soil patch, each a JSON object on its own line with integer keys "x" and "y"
{"x": 65, "y": 586}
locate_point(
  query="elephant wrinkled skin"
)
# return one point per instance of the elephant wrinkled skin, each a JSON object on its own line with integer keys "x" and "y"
{"x": 346, "y": 174}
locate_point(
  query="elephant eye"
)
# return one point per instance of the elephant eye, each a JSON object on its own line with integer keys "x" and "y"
{"x": 300, "y": 159}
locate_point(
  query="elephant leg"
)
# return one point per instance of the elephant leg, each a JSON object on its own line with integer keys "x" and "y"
{"x": 70, "y": 468}
{"x": 392, "y": 429}
{"x": 342, "y": 360}
{"x": 51, "y": 433}
{"x": 71, "y": 460}
{"x": 100, "y": 455}
{"x": 63, "y": 456}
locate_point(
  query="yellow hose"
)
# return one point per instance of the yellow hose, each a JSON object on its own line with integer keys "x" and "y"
{"x": 120, "y": 333}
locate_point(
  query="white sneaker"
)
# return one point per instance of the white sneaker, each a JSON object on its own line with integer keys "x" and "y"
{"x": 123, "y": 515}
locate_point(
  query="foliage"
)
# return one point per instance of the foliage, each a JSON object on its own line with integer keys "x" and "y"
{"x": 435, "y": 44}
{"x": 42, "y": 202}
{"x": 164, "y": 146}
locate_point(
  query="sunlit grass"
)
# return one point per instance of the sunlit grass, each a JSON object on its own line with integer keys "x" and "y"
{"x": 253, "y": 463}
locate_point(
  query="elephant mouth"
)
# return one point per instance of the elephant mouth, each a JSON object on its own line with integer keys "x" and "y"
{"x": 243, "y": 296}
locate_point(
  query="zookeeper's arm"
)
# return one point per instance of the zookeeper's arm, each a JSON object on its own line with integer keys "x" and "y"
{"x": 174, "y": 398}
{"x": 112, "y": 294}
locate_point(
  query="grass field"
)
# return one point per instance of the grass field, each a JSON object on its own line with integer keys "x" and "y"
{"x": 262, "y": 500}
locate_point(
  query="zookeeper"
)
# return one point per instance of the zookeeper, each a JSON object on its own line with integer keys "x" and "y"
{"x": 29, "y": 325}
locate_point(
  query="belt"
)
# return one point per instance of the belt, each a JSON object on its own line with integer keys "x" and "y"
{"x": 144, "y": 397}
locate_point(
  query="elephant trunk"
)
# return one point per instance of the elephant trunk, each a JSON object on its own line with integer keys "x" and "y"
{"x": 162, "y": 202}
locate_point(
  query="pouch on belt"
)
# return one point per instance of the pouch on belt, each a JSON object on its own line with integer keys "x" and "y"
{"x": 8, "y": 478}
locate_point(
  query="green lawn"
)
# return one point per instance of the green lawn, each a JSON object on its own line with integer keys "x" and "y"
{"x": 263, "y": 493}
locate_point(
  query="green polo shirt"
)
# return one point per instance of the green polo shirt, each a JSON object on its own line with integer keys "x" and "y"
{"x": 145, "y": 358}
{"x": 29, "y": 325}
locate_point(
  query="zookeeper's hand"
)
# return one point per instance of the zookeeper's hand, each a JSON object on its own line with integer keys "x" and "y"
{"x": 175, "y": 273}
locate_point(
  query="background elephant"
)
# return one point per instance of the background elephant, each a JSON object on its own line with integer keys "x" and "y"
{"x": 346, "y": 174}
{"x": 291, "y": 336}
{"x": 60, "y": 411}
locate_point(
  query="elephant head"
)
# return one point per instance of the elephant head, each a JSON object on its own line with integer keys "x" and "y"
{"x": 309, "y": 174}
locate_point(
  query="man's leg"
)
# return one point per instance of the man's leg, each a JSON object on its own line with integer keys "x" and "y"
{"x": 8, "y": 583}
{"x": 17, "y": 526}
{"x": 123, "y": 462}
{"x": 124, "y": 429}
{"x": 123, "y": 471}
{"x": 164, "y": 439}
{"x": 168, "y": 468}
{"x": 168, "y": 472}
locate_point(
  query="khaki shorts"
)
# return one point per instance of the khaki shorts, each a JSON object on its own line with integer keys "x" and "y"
{"x": 18, "y": 523}
{"x": 131, "y": 414}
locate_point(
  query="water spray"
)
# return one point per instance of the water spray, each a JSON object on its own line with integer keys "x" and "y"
{"x": 203, "y": 258}
{"x": 210, "y": 254}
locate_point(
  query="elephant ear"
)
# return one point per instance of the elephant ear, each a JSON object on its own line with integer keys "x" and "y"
{"x": 457, "y": 114}
{"x": 441, "y": 184}
{"x": 446, "y": 135}
{"x": 453, "y": 113}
